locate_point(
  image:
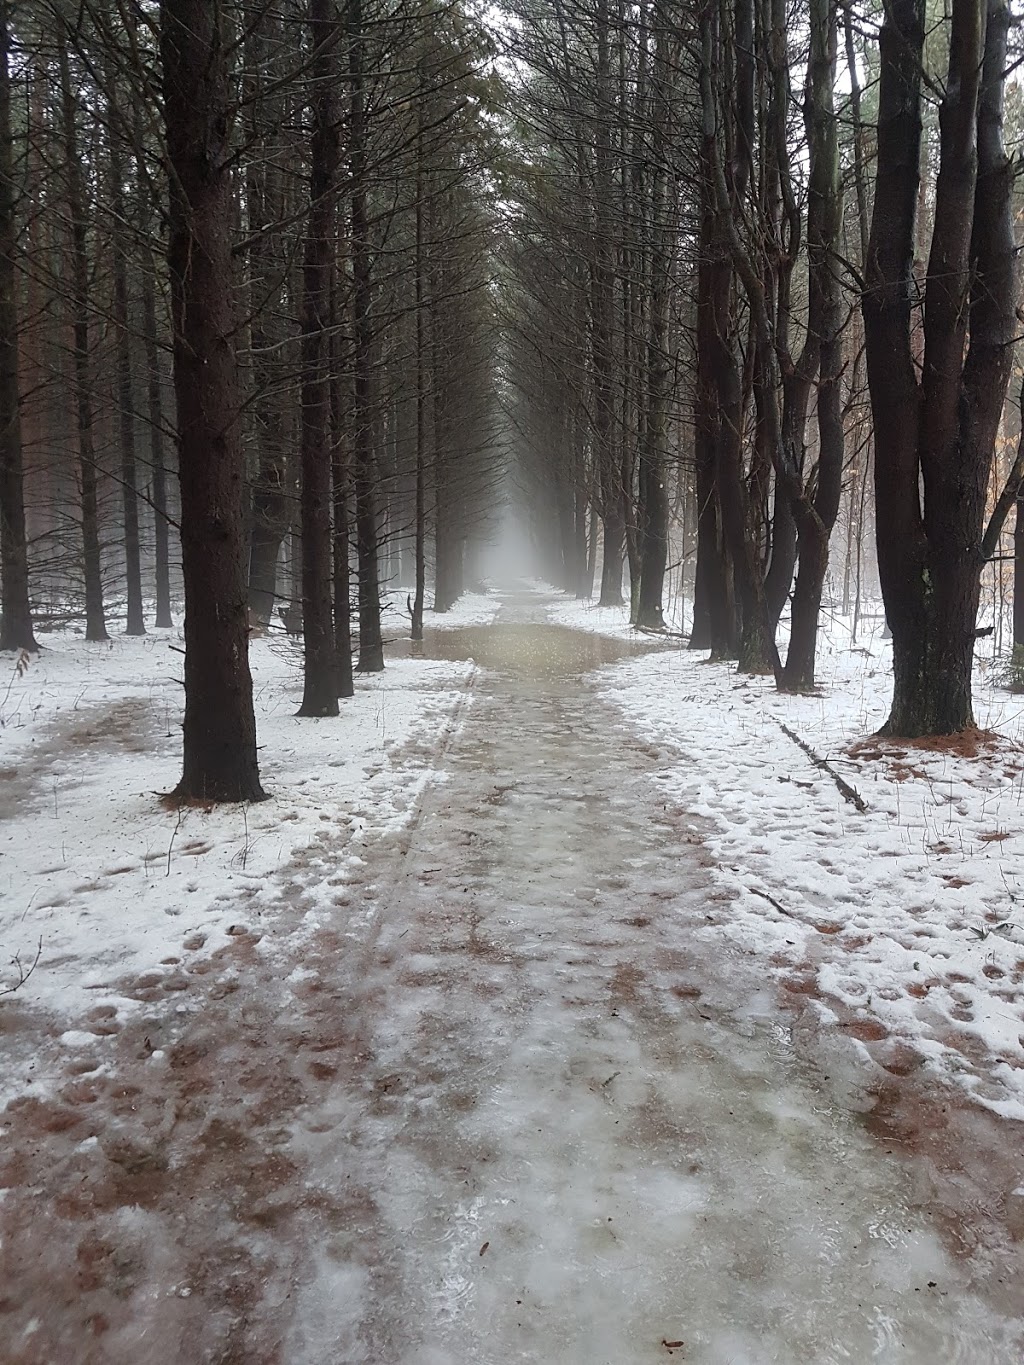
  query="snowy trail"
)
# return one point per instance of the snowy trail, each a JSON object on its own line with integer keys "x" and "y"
{"x": 500, "y": 1109}
{"x": 578, "y": 1148}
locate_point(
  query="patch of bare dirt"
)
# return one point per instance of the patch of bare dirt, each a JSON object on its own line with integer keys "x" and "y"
{"x": 151, "y": 1211}
{"x": 972, "y": 743}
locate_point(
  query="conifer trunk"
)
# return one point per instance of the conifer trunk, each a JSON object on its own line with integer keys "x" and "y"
{"x": 220, "y": 761}
{"x": 320, "y": 683}
{"x": 15, "y": 611}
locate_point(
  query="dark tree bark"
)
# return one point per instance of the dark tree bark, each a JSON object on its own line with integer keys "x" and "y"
{"x": 935, "y": 438}
{"x": 371, "y": 645}
{"x": 151, "y": 334}
{"x": 320, "y": 683}
{"x": 446, "y": 531}
{"x": 722, "y": 193}
{"x": 420, "y": 512}
{"x": 95, "y": 620}
{"x": 135, "y": 623}
{"x": 641, "y": 176}
{"x": 342, "y": 574}
{"x": 268, "y": 206}
{"x": 15, "y": 611}
{"x": 583, "y": 582}
{"x": 653, "y": 459}
{"x": 781, "y": 230}
{"x": 715, "y": 624}
{"x": 1011, "y": 497}
{"x": 779, "y": 577}
{"x": 602, "y": 290}
{"x": 271, "y": 513}
{"x": 341, "y": 493}
{"x": 585, "y": 482}
{"x": 155, "y": 412}
{"x": 220, "y": 762}
{"x": 815, "y": 509}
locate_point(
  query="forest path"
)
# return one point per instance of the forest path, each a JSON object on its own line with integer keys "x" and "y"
{"x": 576, "y": 1141}
{"x": 499, "y": 1109}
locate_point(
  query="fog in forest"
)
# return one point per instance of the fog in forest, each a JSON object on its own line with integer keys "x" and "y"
{"x": 512, "y": 610}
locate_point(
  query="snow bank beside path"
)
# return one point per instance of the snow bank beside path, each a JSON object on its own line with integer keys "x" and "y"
{"x": 472, "y": 609}
{"x": 587, "y": 615}
{"x": 904, "y": 923}
{"x": 111, "y": 884}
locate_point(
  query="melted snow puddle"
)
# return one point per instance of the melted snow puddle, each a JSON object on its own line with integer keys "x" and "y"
{"x": 530, "y": 650}
{"x": 582, "y": 1144}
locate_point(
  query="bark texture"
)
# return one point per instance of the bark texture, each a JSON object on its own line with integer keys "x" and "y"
{"x": 15, "y": 612}
{"x": 320, "y": 683}
{"x": 220, "y": 762}
{"x": 364, "y": 464}
{"x": 935, "y": 436}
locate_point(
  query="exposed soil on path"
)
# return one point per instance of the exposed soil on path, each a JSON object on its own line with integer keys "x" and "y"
{"x": 498, "y": 1109}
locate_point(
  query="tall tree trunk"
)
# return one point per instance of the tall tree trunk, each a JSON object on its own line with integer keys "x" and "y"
{"x": 788, "y": 382}
{"x": 342, "y": 572}
{"x": 340, "y": 485}
{"x": 715, "y": 625}
{"x": 154, "y": 402}
{"x": 653, "y": 457}
{"x": 271, "y": 515}
{"x": 936, "y": 436}
{"x": 320, "y": 683}
{"x": 446, "y": 551}
{"x": 135, "y": 624}
{"x": 371, "y": 645}
{"x": 582, "y": 587}
{"x": 585, "y": 483}
{"x": 815, "y": 513}
{"x": 15, "y": 612}
{"x": 95, "y": 620}
{"x": 602, "y": 306}
{"x": 420, "y": 514}
{"x": 721, "y": 195}
{"x": 154, "y": 397}
{"x": 220, "y": 761}
{"x": 268, "y": 207}
{"x": 592, "y": 547}
{"x": 634, "y": 248}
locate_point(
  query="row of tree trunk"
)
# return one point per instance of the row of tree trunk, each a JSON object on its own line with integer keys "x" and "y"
{"x": 347, "y": 410}
{"x": 714, "y": 327}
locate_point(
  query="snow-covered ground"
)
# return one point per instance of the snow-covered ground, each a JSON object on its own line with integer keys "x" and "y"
{"x": 104, "y": 885}
{"x": 472, "y": 609}
{"x": 902, "y": 924}
{"x": 494, "y": 1094}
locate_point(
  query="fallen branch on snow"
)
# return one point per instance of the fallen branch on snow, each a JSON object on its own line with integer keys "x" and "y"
{"x": 772, "y": 901}
{"x": 23, "y": 972}
{"x": 847, "y": 792}
{"x": 664, "y": 634}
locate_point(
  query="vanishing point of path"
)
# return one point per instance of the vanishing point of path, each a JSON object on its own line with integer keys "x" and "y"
{"x": 502, "y": 1110}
